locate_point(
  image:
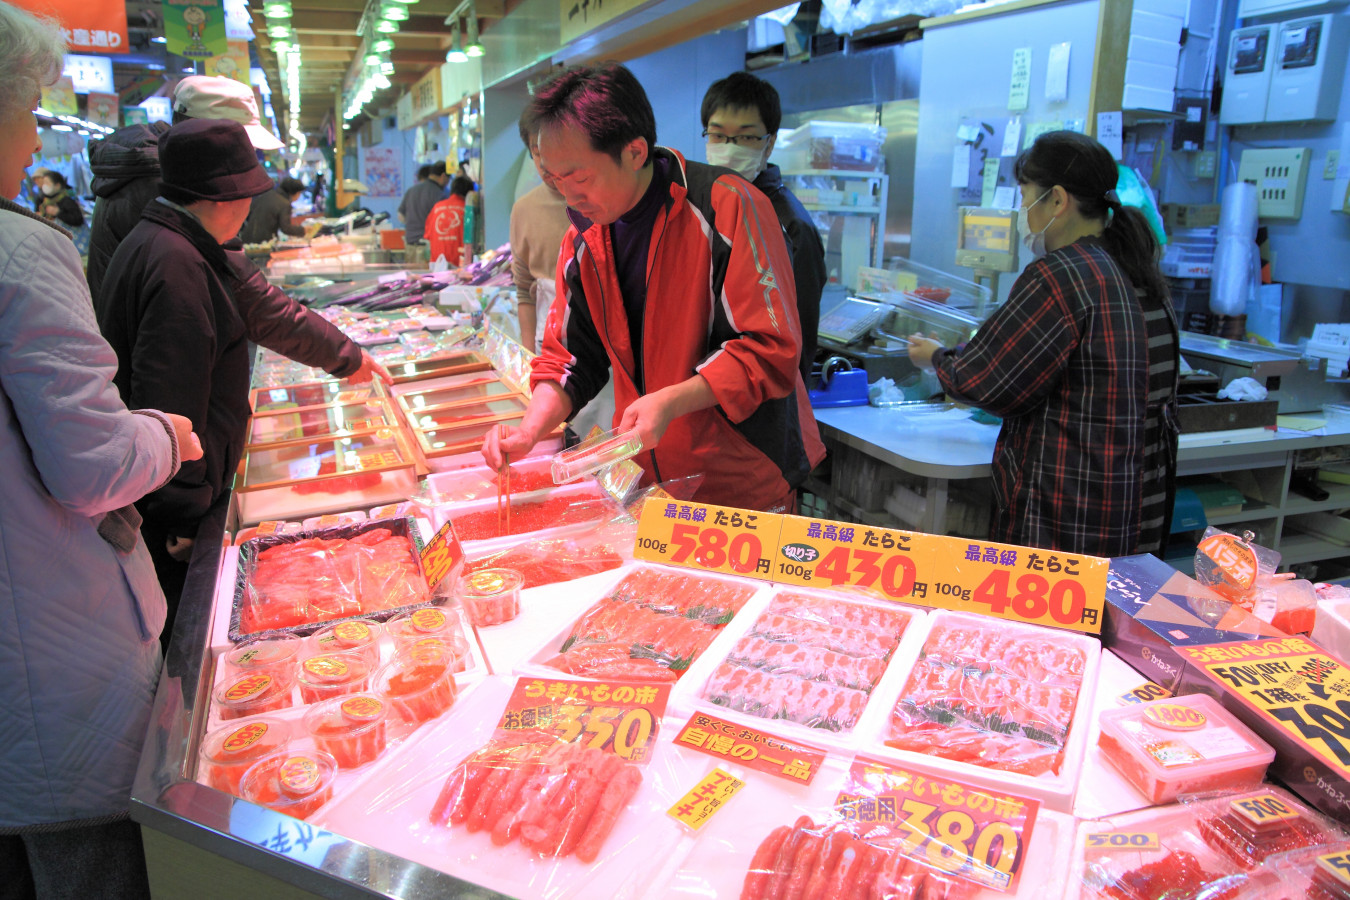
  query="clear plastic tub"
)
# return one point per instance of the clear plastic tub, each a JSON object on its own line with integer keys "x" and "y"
{"x": 281, "y": 652}
{"x": 333, "y": 675}
{"x": 351, "y": 728}
{"x": 256, "y": 691}
{"x": 430, "y": 625}
{"x": 491, "y": 596}
{"x": 227, "y": 752}
{"x": 295, "y": 783}
{"x": 1182, "y": 745}
{"x": 352, "y": 636}
{"x": 419, "y": 682}
{"x": 1250, "y": 827}
{"x": 592, "y": 455}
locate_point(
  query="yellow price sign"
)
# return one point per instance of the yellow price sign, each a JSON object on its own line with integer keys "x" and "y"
{"x": 1333, "y": 867}
{"x": 1144, "y": 693}
{"x": 822, "y": 553}
{"x": 1027, "y": 584}
{"x": 441, "y": 554}
{"x": 706, "y": 798}
{"x": 711, "y": 538}
{"x": 1122, "y": 840}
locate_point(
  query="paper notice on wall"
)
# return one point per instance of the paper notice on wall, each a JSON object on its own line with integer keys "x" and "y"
{"x": 1020, "y": 89}
{"x": 990, "y": 181}
{"x": 1340, "y": 188}
{"x": 1111, "y": 132}
{"x": 1012, "y": 137}
{"x": 1003, "y": 197}
{"x": 961, "y": 166}
{"x": 1057, "y": 73}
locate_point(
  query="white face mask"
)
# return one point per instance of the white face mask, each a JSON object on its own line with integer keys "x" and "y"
{"x": 1034, "y": 241}
{"x": 50, "y": 190}
{"x": 743, "y": 161}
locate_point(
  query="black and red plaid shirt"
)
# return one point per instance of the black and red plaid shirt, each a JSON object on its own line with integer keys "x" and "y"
{"x": 1067, "y": 363}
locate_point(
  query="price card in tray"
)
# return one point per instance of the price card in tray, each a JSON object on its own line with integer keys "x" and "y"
{"x": 619, "y": 717}
{"x": 711, "y": 538}
{"x": 974, "y": 833}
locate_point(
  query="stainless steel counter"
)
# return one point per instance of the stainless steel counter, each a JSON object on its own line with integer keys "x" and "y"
{"x": 165, "y": 798}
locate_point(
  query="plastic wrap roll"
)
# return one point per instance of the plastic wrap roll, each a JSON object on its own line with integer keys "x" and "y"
{"x": 1231, "y": 284}
{"x": 1237, "y": 215}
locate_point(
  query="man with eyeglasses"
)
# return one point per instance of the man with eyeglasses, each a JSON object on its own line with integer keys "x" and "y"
{"x": 741, "y": 115}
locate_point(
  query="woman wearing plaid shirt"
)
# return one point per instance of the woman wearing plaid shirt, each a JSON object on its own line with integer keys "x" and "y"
{"x": 1081, "y": 364}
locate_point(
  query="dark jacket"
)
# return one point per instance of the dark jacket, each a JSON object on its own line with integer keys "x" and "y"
{"x": 68, "y": 210}
{"x": 165, "y": 307}
{"x": 270, "y": 213}
{"x": 126, "y": 180}
{"x": 808, "y": 258}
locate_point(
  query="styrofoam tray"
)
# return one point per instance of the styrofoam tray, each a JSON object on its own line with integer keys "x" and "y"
{"x": 390, "y": 809}
{"x": 442, "y": 512}
{"x": 902, "y": 659}
{"x": 1055, "y": 791}
{"x": 714, "y": 863}
{"x": 534, "y": 664}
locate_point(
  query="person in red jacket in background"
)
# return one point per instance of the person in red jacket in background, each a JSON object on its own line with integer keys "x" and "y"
{"x": 675, "y": 277}
{"x": 445, "y": 223}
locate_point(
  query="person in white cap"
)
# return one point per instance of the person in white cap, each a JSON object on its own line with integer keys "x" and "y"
{"x": 208, "y": 97}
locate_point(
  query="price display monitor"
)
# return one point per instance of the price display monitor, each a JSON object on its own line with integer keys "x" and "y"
{"x": 987, "y": 239}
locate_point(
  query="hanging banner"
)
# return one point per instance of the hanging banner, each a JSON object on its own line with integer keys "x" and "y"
{"x": 89, "y": 73}
{"x": 60, "y": 99}
{"x": 238, "y": 22}
{"x": 233, "y": 63}
{"x": 104, "y": 109}
{"x": 581, "y": 16}
{"x": 195, "y": 28}
{"x": 426, "y": 96}
{"x": 87, "y": 26}
{"x": 135, "y": 115}
{"x": 158, "y": 109}
{"x": 380, "y": 167}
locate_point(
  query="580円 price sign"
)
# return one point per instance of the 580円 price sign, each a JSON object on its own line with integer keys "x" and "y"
{"x": 616, "y": 717}
{"x": 713, "y": 538}
{"x": 970, "y": 832}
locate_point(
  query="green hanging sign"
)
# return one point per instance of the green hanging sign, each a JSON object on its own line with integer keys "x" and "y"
{"x": 195, "y": 28}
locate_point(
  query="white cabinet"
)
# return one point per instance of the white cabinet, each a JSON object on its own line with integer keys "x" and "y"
{"x": 849, "y": 209}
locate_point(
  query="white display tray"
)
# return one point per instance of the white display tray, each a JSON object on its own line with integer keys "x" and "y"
{"x": 691, "y": 698}
{"x": 1055, "y": 791}
{"x": 390, "y": 808}
{"x": 443, "y": 512}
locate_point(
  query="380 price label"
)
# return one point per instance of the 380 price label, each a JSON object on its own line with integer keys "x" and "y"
{"x": 715, "y": 538}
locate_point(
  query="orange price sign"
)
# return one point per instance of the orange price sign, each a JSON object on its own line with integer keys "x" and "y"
{"x": 617, "y": 717}
{"x": 712, "y": 538}
{"x": 821, "y": 553}
{"x": 1028, "y": 584}
{"x": 441, "y": 555}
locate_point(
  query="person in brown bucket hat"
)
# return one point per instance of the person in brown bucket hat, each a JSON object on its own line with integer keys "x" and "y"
{"x": 166, "y": 308}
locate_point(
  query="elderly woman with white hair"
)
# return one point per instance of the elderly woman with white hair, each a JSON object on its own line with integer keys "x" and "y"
{"x": 80, "y": 608}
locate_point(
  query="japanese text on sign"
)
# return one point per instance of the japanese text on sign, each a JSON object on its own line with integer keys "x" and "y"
{"x": 714, "y": 538}
{"x": 751, "y": 748}
{"x": 970, "y": 832}
{"x": 615, "y": 717}
{"x": 441, "y": 554}
{"x": 1293, "y": 682}
{"x": 707, "y": 797}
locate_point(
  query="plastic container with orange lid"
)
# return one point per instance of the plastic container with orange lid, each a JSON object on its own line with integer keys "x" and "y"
{"x": 1182, "y": 745}
{"x": 279, "y": 652}
{"x": 255, "y": 691}
{"x": 351, "y": 728}
{"x": 294, "y": 782}
{"x": 491, "y": 596}
{"x": 419, "y": 682}
{"x": 332, "y": 675}
{"x": 431, "y": 623}
{"x": 352, "y": 636}
{"x": 228, "y": 752}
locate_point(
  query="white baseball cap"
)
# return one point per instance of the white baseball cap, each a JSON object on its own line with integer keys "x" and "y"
{"x": 353, "y": 186}
{"x": 208, "y": 97}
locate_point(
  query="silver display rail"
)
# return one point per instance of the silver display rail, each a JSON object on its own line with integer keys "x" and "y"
{"x": 165, "y": 799}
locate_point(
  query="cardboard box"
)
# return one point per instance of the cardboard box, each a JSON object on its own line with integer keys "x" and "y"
{"x": 1296, "y": 697}
{"x": 1153, "y": 611}
{"x": 1190, "y": 215}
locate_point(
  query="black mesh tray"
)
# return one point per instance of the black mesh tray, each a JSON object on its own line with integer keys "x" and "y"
{"x": 402, "y": 525}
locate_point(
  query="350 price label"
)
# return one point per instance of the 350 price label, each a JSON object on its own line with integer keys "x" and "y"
{"x": 619, "y": 718}
{"x": 715, "y": 538}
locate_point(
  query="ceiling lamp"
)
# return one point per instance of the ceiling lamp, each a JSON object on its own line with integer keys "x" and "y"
{"x": 277, "y": 9}
{"x": 372, "y": 58}
{"x": 393, "y": 11}
{"x": 386, "y": 26}
{"x": 475, "y": 47}
{"x": 383, "y": 45}
{"x": 456, "y": 52}
{"x": 281, "y": 46}
{"x": 279, "y": 31}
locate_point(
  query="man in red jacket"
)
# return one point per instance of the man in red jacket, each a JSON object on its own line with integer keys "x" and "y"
{"x": 675, "y": 276}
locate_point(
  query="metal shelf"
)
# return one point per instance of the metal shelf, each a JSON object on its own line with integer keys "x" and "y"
{"x": 1300, "y": 547}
